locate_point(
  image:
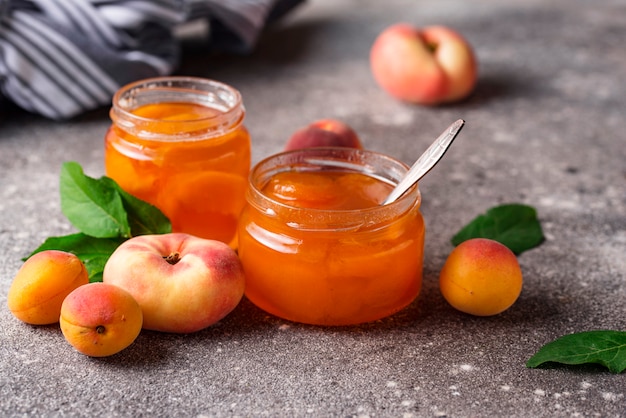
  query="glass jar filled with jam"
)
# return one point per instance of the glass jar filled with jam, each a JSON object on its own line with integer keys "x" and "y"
{"x": 180, "y": 143}
{"x": 316, "y": 243}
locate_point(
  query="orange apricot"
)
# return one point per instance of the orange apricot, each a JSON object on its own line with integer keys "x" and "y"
{"x": 41, "y": 285}
{"x": 481, "y": 277}
{"x": 100, "y": 319}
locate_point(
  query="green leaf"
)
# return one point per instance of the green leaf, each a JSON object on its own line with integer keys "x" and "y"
{"x": 143, "y": 218}
{"x": 93, "y": 252}
{"x": 105, "y": 214}
{"x": 514, "y": 225}
{"x": 607, "y": 348}
{"x": 92, "y": 206}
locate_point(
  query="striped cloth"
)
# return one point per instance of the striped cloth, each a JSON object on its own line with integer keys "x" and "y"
{"x": 60, "y": 58}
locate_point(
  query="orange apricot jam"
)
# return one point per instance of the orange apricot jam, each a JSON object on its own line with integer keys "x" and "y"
{"x": 318, "y": 247}
{"x": 180, "y": 144}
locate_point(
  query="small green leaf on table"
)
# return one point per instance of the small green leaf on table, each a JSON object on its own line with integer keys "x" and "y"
{"x": 514, "y": 225}
{"x": 607, "y": 348}
{"x": 93, "y": 252}
{"x": 105, "y": 216}
{"x": 143, "y": 218}
{"x": 93, "y": 207}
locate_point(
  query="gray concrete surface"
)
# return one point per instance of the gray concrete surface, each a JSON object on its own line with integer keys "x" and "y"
{"x": 544, "y": 127}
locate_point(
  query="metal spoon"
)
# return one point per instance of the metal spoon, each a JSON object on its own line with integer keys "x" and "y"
{"x": 426, "y": 161}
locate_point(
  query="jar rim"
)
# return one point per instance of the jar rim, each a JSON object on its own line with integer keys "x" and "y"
{"x": 181, "y": 89}
{"x": 378, "y": 165}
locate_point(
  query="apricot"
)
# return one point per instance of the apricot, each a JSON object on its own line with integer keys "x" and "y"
{"x": 324, "y": 133}
{"x": 100, "y": 319}
{"x": 429, "y": 65}
{"x": 41, "y": 284}
{"x": 481, "y": 277}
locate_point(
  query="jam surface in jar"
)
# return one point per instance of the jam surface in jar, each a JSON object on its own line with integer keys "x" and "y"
{"x": 318, "y": 248}
{"x": 184, "y": 158}
{"x": 328, "y": 190}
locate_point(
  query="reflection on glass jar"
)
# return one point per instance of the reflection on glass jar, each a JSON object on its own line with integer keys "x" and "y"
{"x": 180, "y": 144}
{"x": 317, "y": 246}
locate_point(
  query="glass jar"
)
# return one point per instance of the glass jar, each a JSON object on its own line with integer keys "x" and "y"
{"x": 180, "y": 144}
{"x": 329, "y": 266}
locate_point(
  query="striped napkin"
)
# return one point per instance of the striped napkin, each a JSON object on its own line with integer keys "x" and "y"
{"x": 60, "y": 58}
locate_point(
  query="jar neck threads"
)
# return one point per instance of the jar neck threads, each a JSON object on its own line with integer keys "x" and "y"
{"x": 350, "y": 160}
{"x": 198, "y": 109}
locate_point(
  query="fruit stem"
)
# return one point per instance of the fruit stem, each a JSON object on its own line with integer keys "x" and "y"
{"x": 100, "y": 329}
{"x": 173, "y": 258}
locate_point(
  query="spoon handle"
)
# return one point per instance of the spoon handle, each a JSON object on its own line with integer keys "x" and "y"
{"x": 426, "y": 161}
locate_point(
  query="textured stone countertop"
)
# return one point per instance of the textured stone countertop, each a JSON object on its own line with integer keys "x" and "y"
{"x": 544, "y": 128}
